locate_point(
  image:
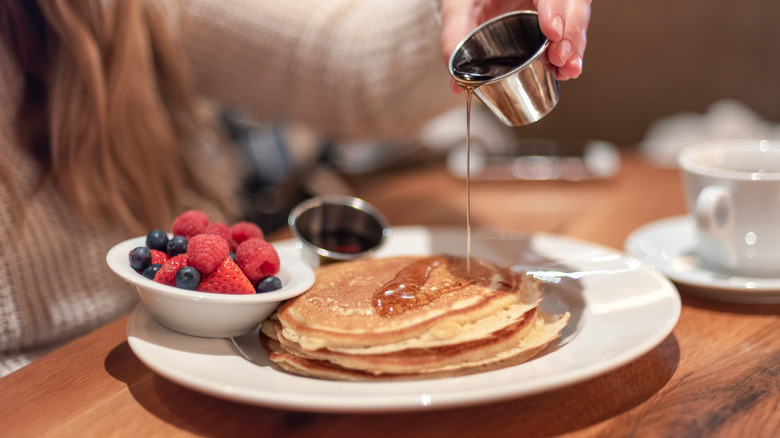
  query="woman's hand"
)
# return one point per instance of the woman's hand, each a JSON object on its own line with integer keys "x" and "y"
{"x": 563, "y": 22}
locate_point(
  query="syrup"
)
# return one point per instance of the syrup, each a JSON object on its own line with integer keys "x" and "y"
{"x": 343, "y": 242}
{"x": 406, "y": 292}
{"x": 482, "y": 70}
{"x": 469, "y": 75}
{"x": 469, "y": 92}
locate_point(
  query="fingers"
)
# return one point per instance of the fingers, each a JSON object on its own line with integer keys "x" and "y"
{"x": 565, "y": 23}
{"x": 457, "y": 89}
{"x": 457, "y": 22}
{"x": 454, "y": 27}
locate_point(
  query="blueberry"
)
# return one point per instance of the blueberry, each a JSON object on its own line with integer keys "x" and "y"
{"x": 232, "y": 255}
{"x": 157, "y": 239}
{"x": 140, "y": 258}
{"x": 177, "y": 245}
{"x": 151, "y": 271}
{"x": 268, "y": 284}
{"x": 187, "y": 278}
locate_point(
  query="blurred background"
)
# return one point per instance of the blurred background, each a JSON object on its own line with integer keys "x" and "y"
{"x": 648, "y": 59}
{"x": 657, "y": 74}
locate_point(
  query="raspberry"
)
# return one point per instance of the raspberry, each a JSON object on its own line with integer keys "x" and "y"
{"x": 257, "y": 258}
{"x": 167, "y": 272}
{"x": 190, "y": 223}
{"x": 206, "y": 252}
{"x": 241, "y": 231}
{"x": 219, "y": 229}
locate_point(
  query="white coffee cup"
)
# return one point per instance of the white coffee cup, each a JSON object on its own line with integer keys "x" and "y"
{"x": 733, "y": 192}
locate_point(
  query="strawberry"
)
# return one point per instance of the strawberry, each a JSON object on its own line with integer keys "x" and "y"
{"x": 227, "y": 279}
{"x": 159, "y": 257}
{"x": 167, "y": 272}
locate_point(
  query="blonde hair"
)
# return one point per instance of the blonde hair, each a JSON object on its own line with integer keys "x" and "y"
{"x": 125, "y": 138}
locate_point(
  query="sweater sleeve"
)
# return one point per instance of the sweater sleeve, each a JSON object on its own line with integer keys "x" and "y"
{"x": 355, "y": 69}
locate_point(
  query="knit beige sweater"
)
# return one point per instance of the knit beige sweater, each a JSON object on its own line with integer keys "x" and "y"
{"x": 350, "y": 68}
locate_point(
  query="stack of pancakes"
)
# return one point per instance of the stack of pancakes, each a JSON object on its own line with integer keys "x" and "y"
{"x": 410, "y": 317}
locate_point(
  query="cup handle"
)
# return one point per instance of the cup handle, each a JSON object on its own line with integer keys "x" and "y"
{"x": 715, "y": 209}
{"x": 715, "y": 215}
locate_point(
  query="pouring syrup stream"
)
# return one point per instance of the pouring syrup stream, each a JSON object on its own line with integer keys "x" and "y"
{"x": 468, "y": 90}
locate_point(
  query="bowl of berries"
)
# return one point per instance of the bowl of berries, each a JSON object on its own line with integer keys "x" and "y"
{"x": 210, "y": 279}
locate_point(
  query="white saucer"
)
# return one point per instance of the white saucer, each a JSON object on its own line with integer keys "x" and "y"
{"x": 667, "y": 245}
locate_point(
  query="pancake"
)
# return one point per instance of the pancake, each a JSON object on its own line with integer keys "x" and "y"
{"x": 410, "y": 317}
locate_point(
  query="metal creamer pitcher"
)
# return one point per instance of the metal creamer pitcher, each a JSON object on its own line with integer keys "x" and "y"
{"x": 505, "y": 62}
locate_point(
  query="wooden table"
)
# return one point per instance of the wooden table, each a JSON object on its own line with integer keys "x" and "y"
{"x": 717, "y": 374}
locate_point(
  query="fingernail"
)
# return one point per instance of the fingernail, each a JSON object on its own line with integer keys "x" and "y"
{"x": 557, "y": 24}
{"x": 565, "y": 50}
{"x": 574, "y": 68}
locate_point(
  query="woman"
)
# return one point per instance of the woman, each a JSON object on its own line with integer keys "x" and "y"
{"x": 105, "y": 126}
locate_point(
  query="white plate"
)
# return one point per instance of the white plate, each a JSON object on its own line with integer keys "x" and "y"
{"x": 668, "y": 244}
{"x": 620, "y": 307}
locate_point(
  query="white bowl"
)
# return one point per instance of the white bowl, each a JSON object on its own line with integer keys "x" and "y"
{"x": 206, "y": 314}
